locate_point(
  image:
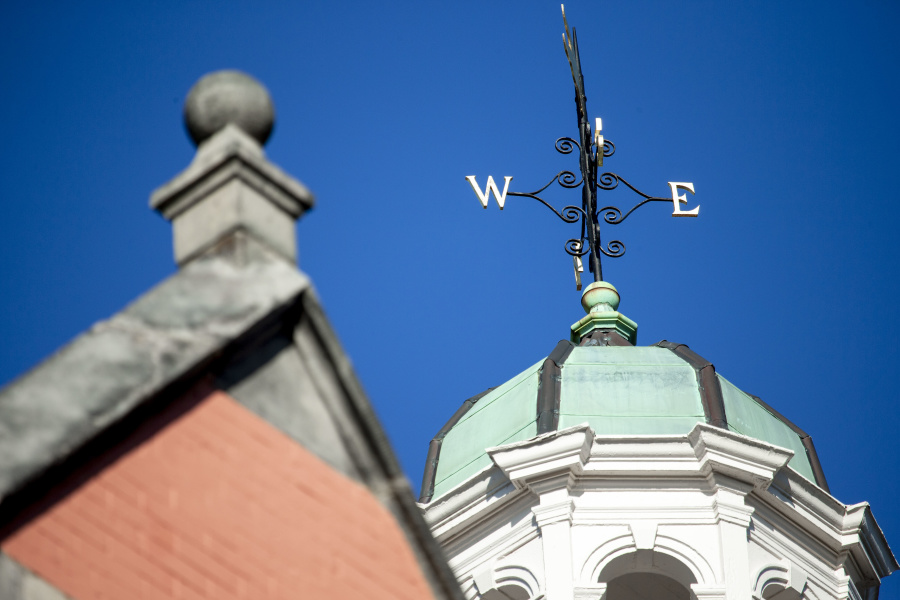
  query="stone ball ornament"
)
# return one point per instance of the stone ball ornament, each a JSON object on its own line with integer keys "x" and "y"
{"x": 224, "y": 97}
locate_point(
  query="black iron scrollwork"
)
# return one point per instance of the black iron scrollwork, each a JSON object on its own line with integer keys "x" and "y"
{"x": 571, "y": 214}
{"x": 612, "y": 214}
{"x": 564, "y": 145}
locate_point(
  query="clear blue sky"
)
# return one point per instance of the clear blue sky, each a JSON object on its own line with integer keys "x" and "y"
{"x": 783, "y": 115}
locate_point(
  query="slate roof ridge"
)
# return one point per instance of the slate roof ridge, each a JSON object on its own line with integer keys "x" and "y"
{"x": 163, "y": 328}
{"x": 238, "y": 316}
{"x": 118, "y": 363}
{"x": 395, "y": 491}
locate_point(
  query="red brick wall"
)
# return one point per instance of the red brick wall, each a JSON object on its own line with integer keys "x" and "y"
{"x": 219, "y": 504}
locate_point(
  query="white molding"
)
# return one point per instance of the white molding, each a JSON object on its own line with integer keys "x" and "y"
{"x": 644, "y": 534}
{"x": 731, "y": 507}
{"x": 787, "y": 542}
{"x": 788, "y": 576}
{"x": 863, "y": 538}
{"x": 553, "y": 513}
{"x": 452, "y": 510}
{"x": 595, "y": 591}
{"x": 709, "y": 592}
{"x": 724, "y": 506}
{"x": 557, "y": 452}
{"x": 624, "y": 544}
{"x": 478, "y": 545}
{"x": 689, "y": 555}
{"x": 641, "y": 456}
{"x": 738, "y": 456}
{"x": 496, "y": 577}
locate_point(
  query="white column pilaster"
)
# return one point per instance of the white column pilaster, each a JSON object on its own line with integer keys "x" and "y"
{"x": 734, "y": 519}
{"x": 596, "y": 591}
{"x": 702, "y": 592}
{"x": 554, "y": 520}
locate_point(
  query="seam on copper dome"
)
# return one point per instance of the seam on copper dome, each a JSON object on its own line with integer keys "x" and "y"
{"x": 434, "y": 447}
{"x": 708, "y": 383}
{"x": 549, "y": 387}
{"x": 805, "y": 439}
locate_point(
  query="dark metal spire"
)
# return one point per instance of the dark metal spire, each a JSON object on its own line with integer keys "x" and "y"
{"x": 588, "y": 155}
{"x": 592, "y": 148}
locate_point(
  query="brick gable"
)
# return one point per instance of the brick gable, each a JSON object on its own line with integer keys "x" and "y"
{"x": 218, "y": 503}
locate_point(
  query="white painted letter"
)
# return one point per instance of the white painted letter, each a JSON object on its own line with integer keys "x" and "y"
{"x": 490, "y": 188}
{"x": 682, "y": 199}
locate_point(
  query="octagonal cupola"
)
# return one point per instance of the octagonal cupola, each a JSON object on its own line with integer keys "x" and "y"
{"x": 611, "y": 471}
{"x": 601, "y": 377}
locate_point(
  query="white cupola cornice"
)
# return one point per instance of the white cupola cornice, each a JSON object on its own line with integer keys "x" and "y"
{"x": 719, "y": 514}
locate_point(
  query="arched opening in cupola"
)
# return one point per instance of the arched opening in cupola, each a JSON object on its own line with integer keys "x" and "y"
{"x": 506, "y": 592}
{"x": 775, "y": 591}
{"x": 647, "y": 575}
{"x": 646, "y": 586}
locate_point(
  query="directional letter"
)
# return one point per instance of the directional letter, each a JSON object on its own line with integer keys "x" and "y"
{"x": 490, "y": 188}
{"x": 682, "y": 199}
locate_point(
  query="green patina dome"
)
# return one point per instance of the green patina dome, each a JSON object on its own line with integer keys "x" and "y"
{"x": 619, "y": 389}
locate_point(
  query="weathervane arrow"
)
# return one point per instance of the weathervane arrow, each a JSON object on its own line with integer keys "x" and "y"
{"x": 592, "y": 149}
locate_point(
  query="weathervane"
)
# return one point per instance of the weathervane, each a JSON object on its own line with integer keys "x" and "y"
{"x": 592, "y": 149}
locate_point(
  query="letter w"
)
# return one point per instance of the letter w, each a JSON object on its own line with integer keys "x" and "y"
{"x": 490, "y": 188}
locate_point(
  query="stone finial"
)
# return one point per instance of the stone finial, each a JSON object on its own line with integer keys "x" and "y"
{"x": 231, "y": 190}
{"x": 224, "y": 97}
